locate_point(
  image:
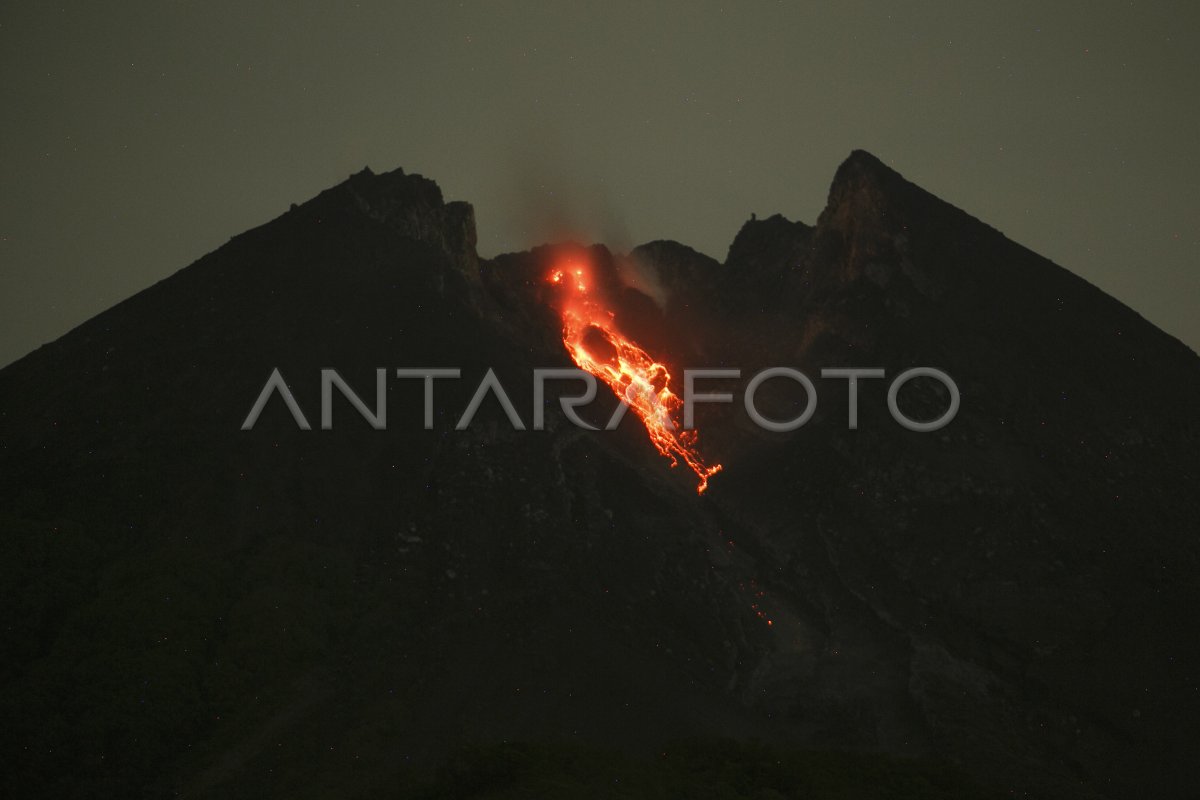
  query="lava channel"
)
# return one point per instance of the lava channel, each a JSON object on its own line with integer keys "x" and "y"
{"x": 595, "y": 345}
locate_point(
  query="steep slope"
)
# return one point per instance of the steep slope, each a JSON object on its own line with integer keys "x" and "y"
{"x": 1033, "y": 561}
{"x": 199, "y": 609}
{"x": 190, "y": 605}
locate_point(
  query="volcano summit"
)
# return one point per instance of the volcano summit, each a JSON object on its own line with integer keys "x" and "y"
{"x": 1000, "y": 606}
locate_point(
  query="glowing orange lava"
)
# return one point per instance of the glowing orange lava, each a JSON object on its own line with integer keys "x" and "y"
{"x": 629, "y": 371}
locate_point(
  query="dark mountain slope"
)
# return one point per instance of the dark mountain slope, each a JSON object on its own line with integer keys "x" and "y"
{"x": 198, "y": 609}
{"x": 1035, "y": 558}
{"x": 190, "y": 604}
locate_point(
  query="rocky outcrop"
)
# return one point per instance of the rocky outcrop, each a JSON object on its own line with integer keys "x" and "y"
{"x": 413, "y": 206}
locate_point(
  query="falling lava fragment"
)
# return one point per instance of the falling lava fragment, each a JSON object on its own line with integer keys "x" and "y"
{"x": 595, "y": 345}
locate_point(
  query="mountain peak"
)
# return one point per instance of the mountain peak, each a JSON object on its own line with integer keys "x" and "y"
{"x": 413, "y": 205}
{"x": 863, "y": 160}
{"x": 857, "y": 194}
{"x": 862, "y": 188}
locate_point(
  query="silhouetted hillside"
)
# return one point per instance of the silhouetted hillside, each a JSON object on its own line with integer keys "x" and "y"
{"x": 193, "y": 609}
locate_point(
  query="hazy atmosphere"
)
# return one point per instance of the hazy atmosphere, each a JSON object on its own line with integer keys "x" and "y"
{"x": 140, "y": 137}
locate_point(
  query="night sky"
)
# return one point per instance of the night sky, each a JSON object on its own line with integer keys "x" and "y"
{"x": 137, "y": 138}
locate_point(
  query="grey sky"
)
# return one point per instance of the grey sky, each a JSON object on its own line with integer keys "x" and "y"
{"x": 138, "y": 138}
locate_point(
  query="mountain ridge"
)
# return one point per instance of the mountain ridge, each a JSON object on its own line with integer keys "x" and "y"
{"x": 1000, "y": 595}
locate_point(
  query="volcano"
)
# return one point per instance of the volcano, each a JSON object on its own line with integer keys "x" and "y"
{"x": 1002, "y": 606}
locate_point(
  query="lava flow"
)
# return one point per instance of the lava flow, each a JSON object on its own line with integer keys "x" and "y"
{"x": 598, "y": 347}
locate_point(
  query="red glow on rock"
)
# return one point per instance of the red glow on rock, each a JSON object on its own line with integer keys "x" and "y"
{"x": 595, "y": 345}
